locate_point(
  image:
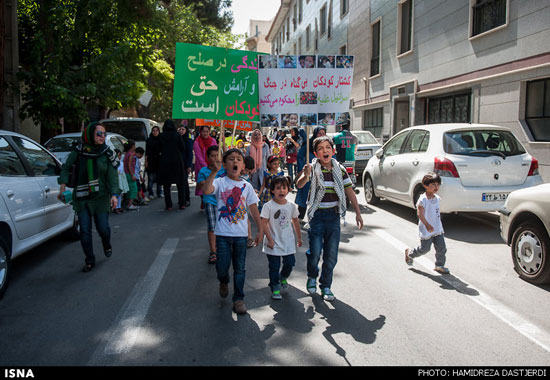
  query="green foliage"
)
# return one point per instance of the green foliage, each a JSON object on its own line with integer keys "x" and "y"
{"x": 75, "y": 54}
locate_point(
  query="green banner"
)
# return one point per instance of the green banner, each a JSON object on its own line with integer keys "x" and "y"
{"x": 215, "y": 83}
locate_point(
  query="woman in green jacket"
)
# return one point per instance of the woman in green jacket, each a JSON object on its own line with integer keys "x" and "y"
{"x": 96, "y": 189}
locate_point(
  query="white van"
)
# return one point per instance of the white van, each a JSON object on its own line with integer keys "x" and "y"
{"x": 133, "y": 128}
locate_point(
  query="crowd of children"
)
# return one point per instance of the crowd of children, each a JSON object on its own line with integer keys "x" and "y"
{"x": 229, "y": 199}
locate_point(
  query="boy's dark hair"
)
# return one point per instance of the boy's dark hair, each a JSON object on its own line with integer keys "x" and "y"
{"x": 231, "y": 151}
{"x": 430, "y": 178}
{"x": 282, "y": 180}
{"x": 249, "y": 163}
{"x": 211, "y": 148}
{"x": 140, "y": 150}
{"x": 320, "y": 140}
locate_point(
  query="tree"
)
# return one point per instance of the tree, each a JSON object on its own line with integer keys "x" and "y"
{"x": 78, "y": 54}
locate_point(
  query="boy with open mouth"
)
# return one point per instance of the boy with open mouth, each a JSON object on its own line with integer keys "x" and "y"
{"x": 330, "y": 185}
{"x": 233, "y": 196}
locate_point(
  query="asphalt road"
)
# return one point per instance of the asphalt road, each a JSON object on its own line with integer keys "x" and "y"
{"x": 155, "y": 301}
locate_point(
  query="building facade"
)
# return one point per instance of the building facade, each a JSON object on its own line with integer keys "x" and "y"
{"x": 257, "y": 31}
{"x": 478, "y": 61}
{"x": 434, "y": 61}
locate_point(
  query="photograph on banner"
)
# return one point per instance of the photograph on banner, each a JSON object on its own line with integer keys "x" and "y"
{"x": 215, "y": 83}
{"x": 311, "y": 89}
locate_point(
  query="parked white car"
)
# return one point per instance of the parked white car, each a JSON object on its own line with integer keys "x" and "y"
{"x": 62, "y": 145}
{"x": 30, "y": 212}
{"x": 367, "y": 146}
{"x": 479, "y": 166}
{"x": 525, "y": 226}
{"x": 133, "y": 128}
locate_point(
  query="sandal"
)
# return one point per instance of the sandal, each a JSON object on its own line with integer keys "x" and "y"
{"x": 88, "y": 267}
{"x": 250, "y": 243}
{"x": 212, "y": 258}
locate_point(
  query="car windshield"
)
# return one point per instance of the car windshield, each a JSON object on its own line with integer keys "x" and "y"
{"x": 482, "y": 142}
{"x": 365, "y": 138}
{"x": 131, "y": 129}
{"x": 63, "y": 144}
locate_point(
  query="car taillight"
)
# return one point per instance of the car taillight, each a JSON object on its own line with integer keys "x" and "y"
{"x": 445, "y": 167}
{"x": 534, "y": 168}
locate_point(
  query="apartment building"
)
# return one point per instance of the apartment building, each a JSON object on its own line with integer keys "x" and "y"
{"x": 434, "y": 61}
{"x": 257, "y": 31}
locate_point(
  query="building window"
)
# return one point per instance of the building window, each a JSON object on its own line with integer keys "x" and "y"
{"x": 287, "y": 29}
{"x": 487, "y": 15}
{"x": 537, "y": 109}
{"x": 375, "y": 51}
{"x": 294, "y": 21}
{"x": 342, "y": 50}
{"x": 308, "y": 37}
{"x": 300, "y": 10}
{"x": 344, "y": 7}
{"x": 300, "y": 45}
{"x": 405, "y": 19}
{"x": 449, "y": 109}
{"x": 323, "y": 19}
{"x": 373, "y": 121}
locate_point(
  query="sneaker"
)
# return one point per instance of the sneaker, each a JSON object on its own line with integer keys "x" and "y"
{"x": 276, "y": 295}
{"x": 132, "y": 207}
{"x": 327, "y": 294}
{"x": 224, "y": 290}
{"x": 311, "y": 285}
{"x": 284, "y": 285}
{"x": 239, "y": 307}
{"x": 408, "y": 259}
{"x": 442, "y": 270}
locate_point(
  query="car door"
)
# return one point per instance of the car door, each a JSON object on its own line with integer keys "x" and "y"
{"x": 20, "y": 192}
{"x": 46, "y": 170}
{"x": 385, "y": 184}
{"x": 407, "y": 163}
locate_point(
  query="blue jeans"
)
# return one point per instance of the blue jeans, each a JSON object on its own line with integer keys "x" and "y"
{"x": 102, "y": 226}
{"x": 275, "y": 265}
{"x": 425, "y": 245}
{"x": 324, "y": 236}
{"x": 232, "y": 250}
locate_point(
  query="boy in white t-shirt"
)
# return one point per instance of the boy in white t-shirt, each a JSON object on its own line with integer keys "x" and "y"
{"x": 279, "y": 218}
{"x": 233, "y": 197}
{"x": 429, "y": 224}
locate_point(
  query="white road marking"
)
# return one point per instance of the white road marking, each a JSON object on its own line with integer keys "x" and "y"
{"x": 501, "y": 311}
{"x": 128, "y": 324}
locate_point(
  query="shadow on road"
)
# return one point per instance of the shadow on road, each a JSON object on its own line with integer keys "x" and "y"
{"x": 448, "y": 282}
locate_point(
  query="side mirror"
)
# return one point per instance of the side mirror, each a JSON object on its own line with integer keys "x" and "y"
{"x": 379, "y": 153}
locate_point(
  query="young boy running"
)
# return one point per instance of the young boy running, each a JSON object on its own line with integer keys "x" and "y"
{"x": 233, "y": 195}
{"x": 330, "y": 185}
{"x": 210, "y": 201}
{"x": 430, "y": 227}
{"x": 279, "y": 218}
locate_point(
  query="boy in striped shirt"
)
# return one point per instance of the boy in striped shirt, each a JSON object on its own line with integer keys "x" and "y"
{"x": 330, "y": 185}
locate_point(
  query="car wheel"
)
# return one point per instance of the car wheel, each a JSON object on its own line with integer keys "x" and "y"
{"x": 530, "y": 252}
{"x": 4, "y": 266}
{"x": 368, "y": 186}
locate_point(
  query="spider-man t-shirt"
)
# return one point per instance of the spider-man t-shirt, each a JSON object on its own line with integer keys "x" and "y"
{"x": 233, "y": 199}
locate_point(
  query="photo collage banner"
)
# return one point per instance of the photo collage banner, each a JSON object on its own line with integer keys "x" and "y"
{"x": 304, "y": 90}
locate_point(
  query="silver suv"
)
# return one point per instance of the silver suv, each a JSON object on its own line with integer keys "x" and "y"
{"x": 525, "y": 226}
{"x": 30, "y": 212}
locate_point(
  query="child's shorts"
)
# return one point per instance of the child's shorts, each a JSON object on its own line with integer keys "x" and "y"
{"x": 210, "y": 216}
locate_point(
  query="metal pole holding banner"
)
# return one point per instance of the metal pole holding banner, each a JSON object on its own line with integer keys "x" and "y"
{"x": 221, "y": 143}
{"x": 233, "y": 135}
{"x": 307, "y": 144}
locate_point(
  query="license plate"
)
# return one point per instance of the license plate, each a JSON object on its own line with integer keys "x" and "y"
{"x": 363, "y": 154}
{"x": 493, "y": 197}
